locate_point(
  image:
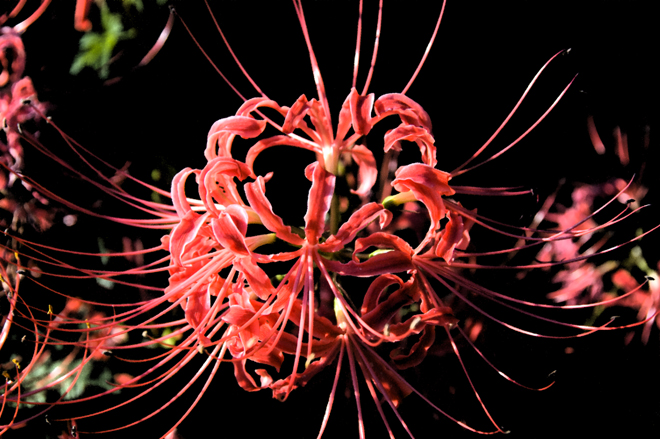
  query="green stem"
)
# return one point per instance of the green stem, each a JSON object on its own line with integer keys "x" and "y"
{"x": 334, "y": 214}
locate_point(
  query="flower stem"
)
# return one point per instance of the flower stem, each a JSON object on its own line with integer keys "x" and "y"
{"x": 334, "y": 214}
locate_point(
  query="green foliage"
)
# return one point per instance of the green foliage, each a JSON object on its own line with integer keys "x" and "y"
{"x": 103, "y": 249}
{"x": 96, "y": 48}
{"x": 84, "y": 380}
{"x": 137, "y": 4}
{"x": 87, "y": 378}
{"x": 171, "y": 341}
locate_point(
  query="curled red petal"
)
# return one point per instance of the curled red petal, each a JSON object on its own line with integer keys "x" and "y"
{"x": 240, "y": 310}
{"x": 383, "y": 240}
{"x": 256, "y": 195}
{"x": 367, "y": 171}
{"x": 409, "y": 111}
{"x": 361, "y": 107}
{"x": 417, "y": 353}
{"x": 415, "y": 134}
{"x": 256, "y": 278}
{"x": 384, "y": 263}
{"x": 216, "y": 182}
{"x": 227, "y": 234}
{"x": 397, "y": 260}
{"x": 239, "y": 216}
{"x": 80, "y": 21}
{"x": 318, "y": 116}
{"x": 179, "y": 200}
{"x": 243, "y": 378}
{"x": 261, "y": 145}
{"x": 345, "y": 120}
{"x": 439, "y": 316}
{"x": 452, "y": 235}
{"x": 296, "y": 114}
{"x": 251, "y": 105}
{"x": 223, "y": 131}
{"x": 358, "y": 221}
{"x": 185, "y": 233}
{"x": 376, "y": 289}
{"x": 380, "y": 315}
{"x": 318, "y": 201}
{"x": 198, "y": 305}
{"x": 428, "y": 185}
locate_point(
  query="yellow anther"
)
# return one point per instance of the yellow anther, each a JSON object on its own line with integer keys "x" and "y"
{"x": 87, "y": 323}
{"x": 309, "y": 360}
{"x": 50, "y": 310}
{"x": 15, "y": 361}
{"x": 6, "y": 375}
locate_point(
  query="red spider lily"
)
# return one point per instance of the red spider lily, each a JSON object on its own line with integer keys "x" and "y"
{"x": 645, "y": 301}
{"x": 246, "y": 286}
{"x": 584, "y": 282}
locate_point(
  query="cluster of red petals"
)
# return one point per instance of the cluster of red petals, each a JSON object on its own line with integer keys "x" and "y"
{"x": 18, "y": 105}
{"x": 230, "y": 282}
{"x": 583, "y": 282}
{"x": 256, "y": 290}
{"x": 220, "y": 273}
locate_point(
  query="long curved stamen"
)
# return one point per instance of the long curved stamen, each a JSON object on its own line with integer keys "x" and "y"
{"x": 460, "y": 170}
{"x": 372, "y": 65}
{"x": 428, "y": 49}
{"x": 233, "y": 55}
{"x": 318, "y": 79}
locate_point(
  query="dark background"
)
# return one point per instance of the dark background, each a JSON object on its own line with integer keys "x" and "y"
{"x": 157, "y": 117}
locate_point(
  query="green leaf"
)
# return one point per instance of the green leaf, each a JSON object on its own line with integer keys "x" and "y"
{"x": 96, "y": 48}
{"x": 137, "y": 4}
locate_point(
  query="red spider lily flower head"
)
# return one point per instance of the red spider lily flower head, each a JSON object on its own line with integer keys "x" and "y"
{"x": 12, "y": 56}
{"x": 646, "y": 297}
{"x": 284, "y": 299}
{"x": 19, "y": 91}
